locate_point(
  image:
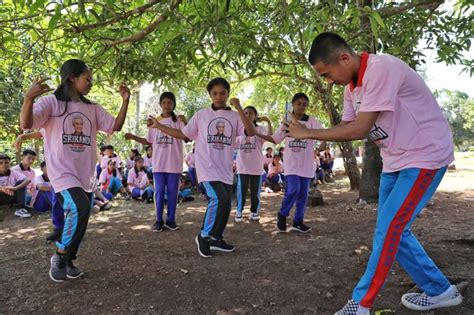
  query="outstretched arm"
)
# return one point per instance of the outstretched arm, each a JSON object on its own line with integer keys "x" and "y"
{"x": 152, "y": 122}
{"x": 355, "y": 130}
{"x": 131, "y": 136}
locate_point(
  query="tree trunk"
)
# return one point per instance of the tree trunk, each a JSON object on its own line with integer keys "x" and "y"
{"x": 350, "y": 164}
{"x": 371, "y": 170}
{"x": 350, "y": 161}
{"x": 372, "y": 161}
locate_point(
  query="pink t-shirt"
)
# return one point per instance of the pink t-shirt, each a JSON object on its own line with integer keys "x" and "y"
{"x": 147, "y": 162}
{"x": 30, "y": 174}
{"x": 317, "y": 162}
{"x": 106, "y": 159}
{"x": 190, "y": 160}
{"x": 167, "y": 151}
{"x": 105, "y": 177}
{"x": 135, "y": 179}
{"x": 249, "y": 152}
{"x": 130, "y": 163}
{"x": 214, "y": 132}
{"x": 275, "y": 169}
{"x": 12, "y": 179}
{"x": 70, "y": 140}
{"x": 410, "y": 130}
{"x": 39, "y": 181}
{"x": 299, "y": 153}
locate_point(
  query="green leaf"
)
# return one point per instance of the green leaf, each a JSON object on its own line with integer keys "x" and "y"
{"x": 54, "y": 20}
{"x": 36, "y": 5}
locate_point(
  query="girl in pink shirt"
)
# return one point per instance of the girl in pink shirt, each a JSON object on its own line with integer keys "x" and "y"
{"x": 110, "y": 180}
{"x": 298, "y": 165}
{"x": 214, "y": 130}
{"x": 148, "y": 158}
{"x": 249, "y": 171}
{"x": 70, "y": 123}
{"x": 167, "y": 162}
{"x": 136, "y": 180}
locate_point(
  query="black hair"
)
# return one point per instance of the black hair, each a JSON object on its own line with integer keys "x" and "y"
{"x": 135, "y": 151}
{"x": 269, "y": 148}
{"x": 148, "y": 147}
{"x": 109, "y": 147}
{"x": 102, "y": 148}
{"x": 298, "y": 96}
{"x": 72, "y": 67}
{"x": 138, "y": 158}
{"x": 28, "y": 152}
{"x": 326, "y": 47}
{"x": 218, "y": 81}
{"x": 171, "y": 96}
{"x": 3, "y": 156}
{"x": 115, "y": 170}
{"x": 255, "y": 111}
{"x": 43, "y": 164}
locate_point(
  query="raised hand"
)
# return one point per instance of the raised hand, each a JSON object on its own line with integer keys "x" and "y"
{"x": 38, "y": 88}
{"x": 236, "y": 103}
{"x": 124, "y": 91}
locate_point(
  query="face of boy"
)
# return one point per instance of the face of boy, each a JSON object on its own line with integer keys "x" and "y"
{"x": 340, "y": 72}
{"x": 82, "y": 83}
{"x": 109, "y": 152}
{"x": 78, "y": 125}
{"x": 300, "y": 105}
{"x": 219, "y": 96}
{"x": 4, "y": 165}
{"x": 27, "y": 160}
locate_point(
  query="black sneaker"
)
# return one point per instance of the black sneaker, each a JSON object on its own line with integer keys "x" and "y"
{"x": 281, "y": 224}
{"x": 72, "y": 271}
{"x": 149, "y": 200}
{"x": 158, "y": 227}
{"x": 301, "y": 227}
{"x": 221, "y": 246}
{"x": 203, "y": 245}
{"x": 57, "y": 272}
{"x": 171, "y": 226}
{"x": 54, "y": 236}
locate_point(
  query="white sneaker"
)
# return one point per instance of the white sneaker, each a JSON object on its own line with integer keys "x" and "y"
{"x": 268, "y": 190}
{"x": 108, "y": 205}
{"x": 423, "y": 302}
{"x": 254, "y": 217}
{"x": 22, "y": 213}
{"x": 238, "y": 217}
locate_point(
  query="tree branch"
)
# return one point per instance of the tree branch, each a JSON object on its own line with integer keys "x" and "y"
{"x": 137, "y": 11}
{"x": 147, "y": 30}
{"x": 281, "y": 74}
{"x": 386, "y": 12}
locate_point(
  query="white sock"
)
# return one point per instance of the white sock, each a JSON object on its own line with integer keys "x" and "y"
{"x": 363, "y": 310}
{"x": 450, "y": 292}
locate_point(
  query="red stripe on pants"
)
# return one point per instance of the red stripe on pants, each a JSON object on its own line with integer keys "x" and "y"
{"x": 394, "y": 233}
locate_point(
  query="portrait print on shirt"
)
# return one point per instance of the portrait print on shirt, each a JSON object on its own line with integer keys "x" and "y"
{"x": 219, "y": 133}
{"x": 76, "y": 131}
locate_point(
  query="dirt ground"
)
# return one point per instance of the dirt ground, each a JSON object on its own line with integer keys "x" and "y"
{"x": 130, "y": 269}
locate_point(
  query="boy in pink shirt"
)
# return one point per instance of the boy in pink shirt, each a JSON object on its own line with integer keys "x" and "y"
{"x": 167, "y": 162}
{"x": 249, "y": 173}
{"x": 28, "y": 157}
{"x": 388, "y": 101}
{"x": 214, "y": 130}
{"x": 70, "y": 123}
{"x": 298, "y": 165}
{"x": 12, "y": 187}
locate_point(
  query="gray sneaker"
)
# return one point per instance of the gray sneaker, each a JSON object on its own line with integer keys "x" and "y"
{"x": 57, "y": 272}
{"x": 72, "y": 271}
